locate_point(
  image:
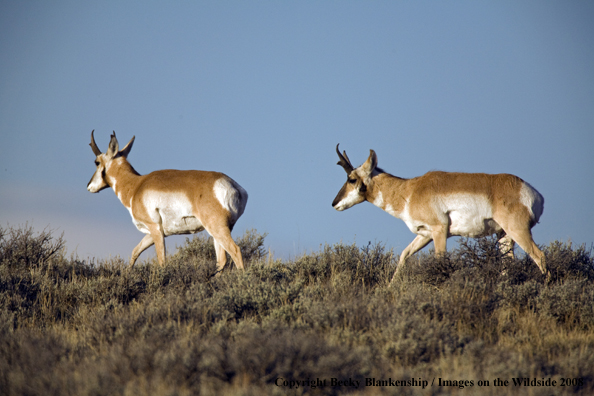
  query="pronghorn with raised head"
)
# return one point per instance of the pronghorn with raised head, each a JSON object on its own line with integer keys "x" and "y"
{"x": 438, "y": 205}
{"x": 172, "y": 202}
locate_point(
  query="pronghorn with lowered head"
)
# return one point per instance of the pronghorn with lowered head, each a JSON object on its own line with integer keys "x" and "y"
{"x": 172, "y": 202}
{"x": 438, "y": 205}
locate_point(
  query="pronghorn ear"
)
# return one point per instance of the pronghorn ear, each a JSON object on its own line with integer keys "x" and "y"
{"x": 126, "y": 150}
{"x": 114, "y": 147}
{"x": 371, "y": 162}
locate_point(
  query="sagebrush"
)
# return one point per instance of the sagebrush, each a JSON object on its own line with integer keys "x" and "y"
{"x": 98, "y": 327}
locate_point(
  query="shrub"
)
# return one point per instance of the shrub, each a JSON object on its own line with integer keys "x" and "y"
{"x": 569, "y": 303}
{"x": 20, "y": 248}
{"x": 566, "y": 262}
{"x": 100, "y": 327}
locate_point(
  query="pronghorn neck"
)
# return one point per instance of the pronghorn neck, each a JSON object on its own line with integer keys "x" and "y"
{"x": 387, "y": 192}
{"x": 122, "y": 178}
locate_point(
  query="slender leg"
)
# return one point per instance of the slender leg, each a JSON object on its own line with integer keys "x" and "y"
{"x": 506, "y": 244}
{"x": 144, "y": 244}
{"x": 222, "y": 237}
{"x": 221, "y": 257}
{"x": 516, "y": 227}
{"x": 233, "y": 250}
{"x": 159, "y": 240}
{"x": 417, "y": 244}
{"x": 440, "y": 236}
{"x": 524, "y": 239}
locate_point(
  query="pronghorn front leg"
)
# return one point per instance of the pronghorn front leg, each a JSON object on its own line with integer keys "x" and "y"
{"x": 417, "y": 244}
{"x": 144, "y": 244}
{"x": 440, "y": 236}
{"x": 159, "y": 240}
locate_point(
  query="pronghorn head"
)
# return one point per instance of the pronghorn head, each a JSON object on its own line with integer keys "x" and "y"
{"x": 354, "y": 190}
{"x": 104, "y": 160}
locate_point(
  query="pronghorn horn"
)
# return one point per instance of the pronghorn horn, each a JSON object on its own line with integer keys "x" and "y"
{"x": 93, "y": 145}
{"x": 344, "y": 161}
{"x": 126, "y": 150}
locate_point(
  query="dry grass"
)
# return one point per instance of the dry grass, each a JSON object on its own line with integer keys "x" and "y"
{"x": 71, "y": 327}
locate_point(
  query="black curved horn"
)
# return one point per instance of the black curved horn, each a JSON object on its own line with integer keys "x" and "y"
{"x": 344, "y": 161}
{"x": 93, "y": 145}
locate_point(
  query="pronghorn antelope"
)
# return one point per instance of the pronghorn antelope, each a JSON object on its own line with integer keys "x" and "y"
{"x": 171, "y": 202}
{"x": 438, "y": 205}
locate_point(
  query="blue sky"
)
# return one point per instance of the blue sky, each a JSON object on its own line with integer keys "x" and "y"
{"x": 264, "y": 90}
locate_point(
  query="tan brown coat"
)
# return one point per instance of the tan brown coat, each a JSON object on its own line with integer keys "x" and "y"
{"x": 438, "y": 205}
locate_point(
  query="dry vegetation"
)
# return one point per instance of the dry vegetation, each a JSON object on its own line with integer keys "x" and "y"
{"x": 72, "y": 327}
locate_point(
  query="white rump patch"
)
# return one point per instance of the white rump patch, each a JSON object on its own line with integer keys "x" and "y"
{"x": 532, "y": 199}
{"x": 231, "y": 196}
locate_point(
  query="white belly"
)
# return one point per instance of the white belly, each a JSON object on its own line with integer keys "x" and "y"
{"x": 173, "y": 211}
{"x": 174, "y": 225}
{"x": 467, "y": 215}
{"x": 473, "y": 227}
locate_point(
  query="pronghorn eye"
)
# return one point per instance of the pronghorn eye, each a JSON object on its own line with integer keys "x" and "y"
{"x": 352, "y": 181}
{"x": 96, "y": 163}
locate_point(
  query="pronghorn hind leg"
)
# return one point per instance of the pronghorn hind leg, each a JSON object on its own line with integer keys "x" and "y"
{"x": 144, "y": 244}
{"x": 221, "y": 257}
{"x": 524, "y": 239}
{"x": 222, "y": 237}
